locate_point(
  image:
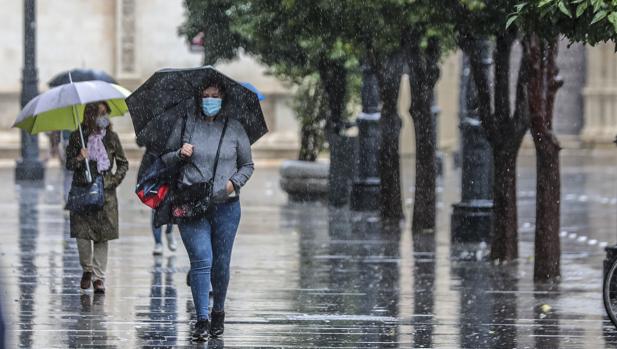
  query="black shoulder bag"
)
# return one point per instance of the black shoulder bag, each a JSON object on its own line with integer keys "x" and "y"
{"x": 194, "y": 201}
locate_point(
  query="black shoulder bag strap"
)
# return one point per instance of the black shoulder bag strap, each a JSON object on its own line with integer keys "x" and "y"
{"x": 218, "y": 149}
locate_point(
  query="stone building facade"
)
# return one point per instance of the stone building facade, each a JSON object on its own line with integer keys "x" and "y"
{"x": 131, "y": 39}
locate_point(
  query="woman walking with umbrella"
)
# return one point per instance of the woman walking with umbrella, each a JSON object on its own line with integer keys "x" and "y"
{"x": 93, "y": 204}
{"x": 94, "y": 228}
{"x": 209, "y": 238}
{"x": 203, "y": 124}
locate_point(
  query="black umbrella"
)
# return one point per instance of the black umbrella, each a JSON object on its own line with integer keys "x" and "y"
{"x": 81, "y": 74}
{"x": 170, "y": 94}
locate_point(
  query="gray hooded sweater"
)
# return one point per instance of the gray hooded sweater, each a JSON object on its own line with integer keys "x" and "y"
{"x": 235, "y": 160}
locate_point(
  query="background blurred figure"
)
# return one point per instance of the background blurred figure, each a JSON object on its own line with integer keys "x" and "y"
{"x": 158, "y": 241}
{"x": 146, "y": 161}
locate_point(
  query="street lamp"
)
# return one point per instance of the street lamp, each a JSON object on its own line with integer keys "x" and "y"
{"x": 472, "y": 218}
{"x": 365, "y": 189}
{"x": 29, "y": 167}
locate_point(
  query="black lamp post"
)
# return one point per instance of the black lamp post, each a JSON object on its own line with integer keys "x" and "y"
{"x": 365, "y": 188}
{"x": 472, "y": 218}
{"x": 29, "y": 167}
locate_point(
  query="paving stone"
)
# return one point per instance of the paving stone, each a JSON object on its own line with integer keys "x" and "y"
{"x": 304, "y": 276}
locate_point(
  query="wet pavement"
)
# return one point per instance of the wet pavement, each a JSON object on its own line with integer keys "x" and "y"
{"x": 306, "y": 276}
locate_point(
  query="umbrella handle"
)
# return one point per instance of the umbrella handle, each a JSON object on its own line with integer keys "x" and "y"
{"x": 83, "y": 145}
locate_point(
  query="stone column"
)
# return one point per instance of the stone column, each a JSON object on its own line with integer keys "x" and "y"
{"x": 126, "y": 67}
{"x": 600, "y": 96}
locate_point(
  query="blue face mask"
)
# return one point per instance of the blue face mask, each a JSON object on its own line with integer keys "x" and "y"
{"x": 211, "y": 106}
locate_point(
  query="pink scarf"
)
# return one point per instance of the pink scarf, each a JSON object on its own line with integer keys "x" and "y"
{"x": 97, "y": 152}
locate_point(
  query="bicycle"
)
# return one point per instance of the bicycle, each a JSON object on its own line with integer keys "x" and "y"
{"x": 609, "y": 286}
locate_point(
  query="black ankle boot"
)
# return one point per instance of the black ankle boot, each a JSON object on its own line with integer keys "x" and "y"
{"x": 200, "y": 330}
{"x": 217, "y": 327}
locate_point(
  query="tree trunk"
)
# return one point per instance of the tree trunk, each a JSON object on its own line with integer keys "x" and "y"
{"x": 543, "y": 86}
{"x": 310, "y": 143}
{"x": 548, "y": 196}
{"x": 505, "y": 131}
{"x": 425, "y": 201}
{"x": 390, "y": 126}
{"x": 423, "y": 76}
{"x": 504, "y": 246}
{"x": 333, "y": 75}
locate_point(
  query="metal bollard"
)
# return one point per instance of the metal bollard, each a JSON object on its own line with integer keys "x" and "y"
{"x": 365, "y": 189}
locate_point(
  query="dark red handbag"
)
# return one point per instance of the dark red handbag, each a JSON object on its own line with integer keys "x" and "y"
{"x": 154, "y": 197}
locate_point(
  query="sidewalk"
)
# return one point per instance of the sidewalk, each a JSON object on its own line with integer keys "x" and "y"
{"x": 306, "y": 277}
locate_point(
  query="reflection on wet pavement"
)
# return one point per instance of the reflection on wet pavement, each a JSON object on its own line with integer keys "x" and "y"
{"x": 307, "y": 276}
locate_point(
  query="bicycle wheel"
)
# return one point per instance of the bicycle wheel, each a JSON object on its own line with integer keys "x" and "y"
{"x": 609, "y": 290}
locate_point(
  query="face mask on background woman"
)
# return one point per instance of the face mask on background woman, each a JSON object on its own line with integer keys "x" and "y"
{"x": 211, "y": 106}
{"x": 102, "y": 121}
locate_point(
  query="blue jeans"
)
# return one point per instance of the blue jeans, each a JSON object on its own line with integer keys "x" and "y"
{"x": 209, "y": 241}
{"x": 157, "y": 231}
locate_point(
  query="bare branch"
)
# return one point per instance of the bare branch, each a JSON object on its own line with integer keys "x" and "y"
{"x": 521, "y": 111}
{"x": 433, "y": 54}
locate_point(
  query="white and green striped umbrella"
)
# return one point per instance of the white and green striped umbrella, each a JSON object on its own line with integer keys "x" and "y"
{"x": 62, "y": 107}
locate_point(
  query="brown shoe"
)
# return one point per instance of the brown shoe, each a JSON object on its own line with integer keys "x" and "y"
{"x": 99, "y": 286}
{"x": 86, "y": 280}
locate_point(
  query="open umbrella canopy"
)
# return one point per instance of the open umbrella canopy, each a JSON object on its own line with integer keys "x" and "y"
{"x": 170, "y": 94}
{"x": 250, "y": 86}
{"x": 53, "y": 109}
{"x": 80, "y": 74}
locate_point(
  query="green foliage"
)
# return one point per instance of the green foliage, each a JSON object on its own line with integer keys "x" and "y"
{"x": 380, "y": 27}
{"x": 588, "y": 21}
{"x": 310, "y": 105}
{"x": 212, "y": 18}
{"x": 293, "y": 37}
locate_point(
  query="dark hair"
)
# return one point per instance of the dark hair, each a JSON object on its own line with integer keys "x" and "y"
{"x": 214, "y": 83}
{"x": 91, "y": 112}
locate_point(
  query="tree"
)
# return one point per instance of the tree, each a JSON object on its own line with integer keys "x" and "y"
{"x": 310, "y": 110}
{"x": 543, "y": 22}
{"x": 423, "y": 45}
{"x": 391, "y": 34}
{"x": 297, "y": 39}
{"x": 475, "y": 22}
